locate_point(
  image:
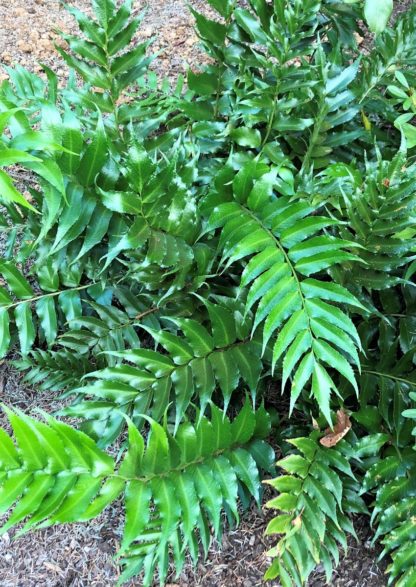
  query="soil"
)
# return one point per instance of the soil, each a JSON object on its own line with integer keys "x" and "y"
{"x": 28, "y": 32}
{"x": 81, "y": 555}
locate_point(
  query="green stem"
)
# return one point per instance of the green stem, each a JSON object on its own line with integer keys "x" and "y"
{"x": 287, "y": 259}
{"x": 271, "y": 117}
{"x": 323, "y": 111}
{"x": 388, "y": 376}
{"x": 48, "y": 295}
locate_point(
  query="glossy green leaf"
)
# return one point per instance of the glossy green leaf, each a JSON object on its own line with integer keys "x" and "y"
{"x": 377, "y": 14}
{"x": 9, "y": 193}
{"x": 94, "y": 157}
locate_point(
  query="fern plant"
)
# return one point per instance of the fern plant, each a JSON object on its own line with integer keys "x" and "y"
{"x": 287, "y": 246}
{"x": 174, "y": 253}
{"x": 173, "y": 486}
{"x": 392, "y": 479}
{"x": 317, "y": 492}
{"x": 189, "y": 366}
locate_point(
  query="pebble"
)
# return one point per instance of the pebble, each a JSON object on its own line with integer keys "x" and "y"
{"x": 6, "y": 58}
{"x": 6, "y": 538}
{"x": 24, "y": 46}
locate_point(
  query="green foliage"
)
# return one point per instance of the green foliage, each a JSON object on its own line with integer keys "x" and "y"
{"x": 378, "y": 205}
{"x": 190, "y": 366}
{"x": 49, "y": 308}
{"x": 392, "y": 480}
{"x": 172, "y": 486}
{"x": 288, "y": 243}
{"x": 55, "y": 370}
{"x": 377, "y": 14}
{"x": 393, "y": 50}
{"x": 411, "y": 413}
{"x": 317, "y": 491}
{"x": 176, "y": 253}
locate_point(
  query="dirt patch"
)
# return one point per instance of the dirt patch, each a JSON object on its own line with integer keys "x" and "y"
{"x": 28, "y": 33}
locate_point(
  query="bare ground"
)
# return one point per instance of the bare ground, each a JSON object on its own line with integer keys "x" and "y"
{"x": 81, "y": 555}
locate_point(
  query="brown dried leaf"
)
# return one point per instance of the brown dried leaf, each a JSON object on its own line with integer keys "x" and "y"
{"x": 341, "y": 428}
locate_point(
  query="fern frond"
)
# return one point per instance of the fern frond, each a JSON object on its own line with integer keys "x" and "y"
{"x": 109, "y": 330}
{"x": 41, "y": 315}
{"x": 30, "y": 148}
{"x": 386, "y": 386}
{"x": 316, "y": 493}
{"x": 24, "y": 88}
{"x": 179, "y": 252}
{"x": 287, "y": 245}
{"x": 393, "y": 47}
{"x": 108, "y": 58}
{"x": 103, "y": 58}
{"x": 284, "y": 28}
{"x": 388, "y": 374}
{"x": 172, "y": 487}
{"x": 393, "y": 481}
{"x": 53, "y": 370}
{"x": 333, "y": 108}
{"x": 308, "y": 110}
{"x": 156, "y": 212}
{"x": 187, "y": 368}
{"x": 163, "y": 210}
{"x": 46, "y": 305}
{"x": 379, "y": 207}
